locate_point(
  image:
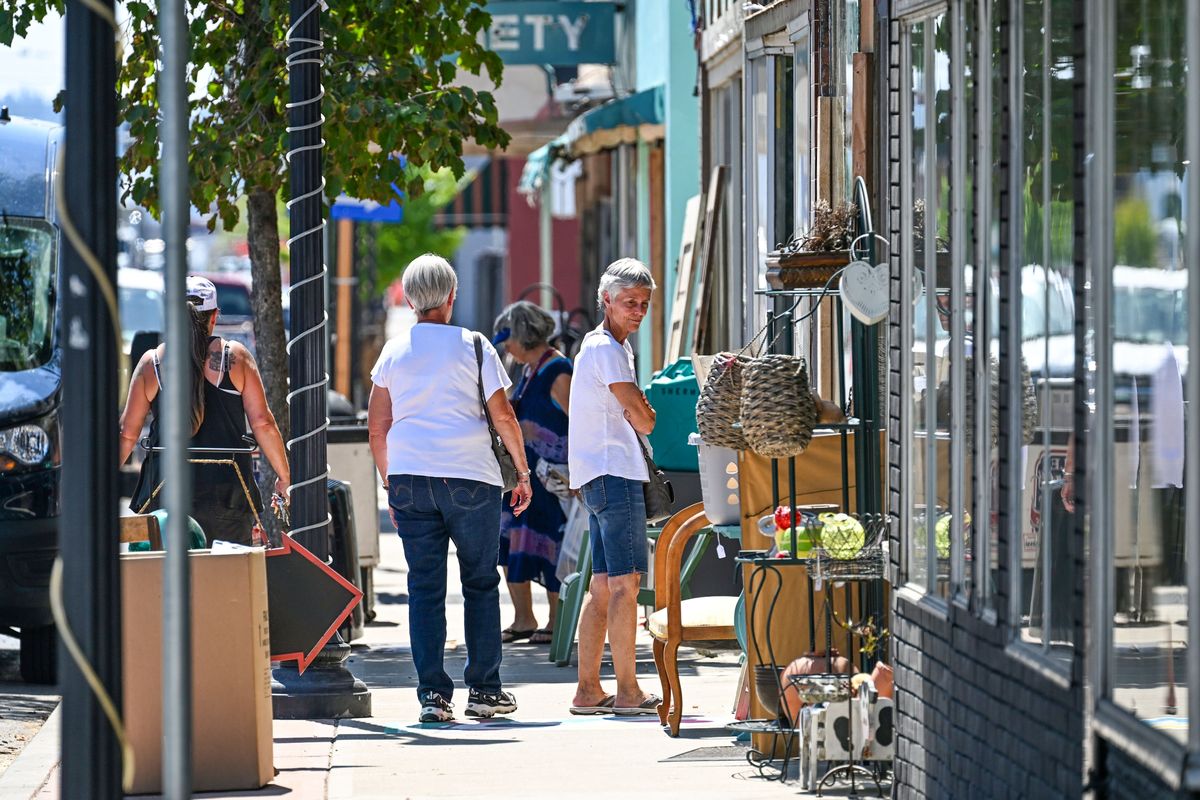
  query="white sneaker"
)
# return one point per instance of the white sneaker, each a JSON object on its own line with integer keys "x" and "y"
{"x": 435, "y": 708}
{"x": 488, "y": 704}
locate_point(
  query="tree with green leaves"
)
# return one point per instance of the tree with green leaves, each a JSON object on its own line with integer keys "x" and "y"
{"x": 389, "y": 82}
{"x": 400, "y": 243}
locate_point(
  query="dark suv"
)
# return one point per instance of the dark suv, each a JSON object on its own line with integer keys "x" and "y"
{"x": 30, "y": 389}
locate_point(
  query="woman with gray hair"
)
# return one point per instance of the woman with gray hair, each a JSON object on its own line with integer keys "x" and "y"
{"x": 608, "y": 414}
{"x": 529, "y": 546}
{"x": 430, "y": 439}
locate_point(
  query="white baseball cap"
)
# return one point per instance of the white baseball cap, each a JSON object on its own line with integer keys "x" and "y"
{"x": 201, "y": 293}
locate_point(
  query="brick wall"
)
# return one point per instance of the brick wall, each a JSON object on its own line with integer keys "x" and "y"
{"x": 1124, "y": 777}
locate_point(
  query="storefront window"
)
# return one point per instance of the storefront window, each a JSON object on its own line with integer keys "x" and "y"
{"x": 925, "y": 229}
{"x": 1044, "y": 580}
{"x": 725, "y": 147}
{"x": 783, "y": 141}
{"x": 982, "y": 320}
{"x": 1148, "y": 358}
{"x": 846, "y": 17}
{"x": 802, "y": 103}
{"x": 760, "y": 234}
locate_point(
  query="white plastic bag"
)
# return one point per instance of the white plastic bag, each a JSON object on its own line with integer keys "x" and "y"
{"x": 574, "y": 530}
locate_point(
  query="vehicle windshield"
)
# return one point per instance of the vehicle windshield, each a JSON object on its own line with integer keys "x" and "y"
{"x": 27, "y": 292}
{"x": 1150, "y": 315}
{"x": 233, "y": 300}
{"x": 141, "y": 310}
{"x": 1046, "y": 310}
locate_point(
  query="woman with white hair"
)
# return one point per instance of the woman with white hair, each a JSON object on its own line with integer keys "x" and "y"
{"x": 608, "y": 415}
{"x": 529, "y": 545}
{"x": 430, "y": 439}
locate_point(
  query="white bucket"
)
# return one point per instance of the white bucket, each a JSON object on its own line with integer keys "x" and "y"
{"x": 720, "y": 483}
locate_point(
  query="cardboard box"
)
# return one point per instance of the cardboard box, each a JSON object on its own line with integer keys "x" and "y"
{"x": 231, "y": 669}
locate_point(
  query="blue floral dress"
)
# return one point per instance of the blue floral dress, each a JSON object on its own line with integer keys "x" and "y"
{"x": 529, "y": 544}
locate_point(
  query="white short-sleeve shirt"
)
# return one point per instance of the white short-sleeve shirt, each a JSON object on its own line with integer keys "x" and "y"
{"x": 600, "y": 440}
{"x": 438, "y": 427}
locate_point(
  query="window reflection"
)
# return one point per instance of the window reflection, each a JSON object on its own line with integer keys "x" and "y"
{"x": 939, "y": 264}
{"x": 1046, "y": 579}
{"x": 918, "y": 561}
{"x": 1149, "y": 359}
{"x": 927, "y": 252}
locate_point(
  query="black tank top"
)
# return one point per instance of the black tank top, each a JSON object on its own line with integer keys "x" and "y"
{"x": 219, "y": 500}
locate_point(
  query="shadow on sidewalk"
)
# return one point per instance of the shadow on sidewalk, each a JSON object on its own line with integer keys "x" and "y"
{"x": 415, "y": 734}
{"x": 523, "y": 664}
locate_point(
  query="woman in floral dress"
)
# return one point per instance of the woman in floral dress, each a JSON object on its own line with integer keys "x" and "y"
{"x": 529, "y": 544}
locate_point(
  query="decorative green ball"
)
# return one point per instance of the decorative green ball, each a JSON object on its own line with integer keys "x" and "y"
{"x": 842, "y": 536}
{"x": 941, "y": 533}
{"x": 804, "y": 541}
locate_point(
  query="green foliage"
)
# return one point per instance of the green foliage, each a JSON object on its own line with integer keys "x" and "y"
{"x": 1061, "y": 218}
{"x": 400, "y": 244}
{"x": 15, "y": 19}
{"x": 389, "y": 88}
{"x": 1134, "y": 237}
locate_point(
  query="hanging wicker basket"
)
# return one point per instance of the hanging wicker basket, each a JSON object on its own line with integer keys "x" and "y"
{"x": 778, "y": 411}
{"x": 719, "y": 408}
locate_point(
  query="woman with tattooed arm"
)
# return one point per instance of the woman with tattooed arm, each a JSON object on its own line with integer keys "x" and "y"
{"x": 227, "y": 391}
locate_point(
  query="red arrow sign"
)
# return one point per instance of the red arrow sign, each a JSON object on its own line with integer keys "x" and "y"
{"x": 307, "y": 601}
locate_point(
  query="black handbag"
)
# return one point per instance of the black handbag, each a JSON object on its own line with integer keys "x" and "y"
{"x": 658, "y": 491}
{"x": 508, "y": 468}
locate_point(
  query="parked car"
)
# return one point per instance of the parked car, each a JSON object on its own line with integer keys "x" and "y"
{"x": 140, "y": 300}
{"x": 236, "y": 320}
{"x": 30, "y": 389}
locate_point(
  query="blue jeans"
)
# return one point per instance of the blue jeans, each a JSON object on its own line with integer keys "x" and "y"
{"x": 429, "y": 513}
{"x": 617, "y": 519}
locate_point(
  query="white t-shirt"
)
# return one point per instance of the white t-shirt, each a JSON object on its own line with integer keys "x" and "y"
{"x": 438, "y": 427}
{"x": 600, "y": 440}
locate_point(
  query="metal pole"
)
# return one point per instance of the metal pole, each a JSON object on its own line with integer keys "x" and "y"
{"x": 306, "y": 350}
{"x": 327, "y": 690}
{"x": 1192, "y": 428}
{"x": 177, "y": 487}
{"x": 91, "y": 760}
{"x": 546, "y": 247}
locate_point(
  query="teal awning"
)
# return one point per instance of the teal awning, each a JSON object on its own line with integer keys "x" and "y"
{"x": 638, "y": 116}
{"x": 537, "y": 166}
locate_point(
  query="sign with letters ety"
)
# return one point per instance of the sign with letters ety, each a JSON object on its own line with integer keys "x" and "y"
{"x": 560, "y": 34}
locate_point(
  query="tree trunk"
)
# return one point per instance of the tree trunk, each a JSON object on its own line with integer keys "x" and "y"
{"x": 270, "y": 346}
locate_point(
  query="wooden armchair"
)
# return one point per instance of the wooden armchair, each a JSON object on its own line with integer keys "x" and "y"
{"x": 675, "y": 620}
{"x": 141, "y": 528}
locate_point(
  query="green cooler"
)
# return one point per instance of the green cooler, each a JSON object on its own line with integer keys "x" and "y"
{"x": 673, "y": 392}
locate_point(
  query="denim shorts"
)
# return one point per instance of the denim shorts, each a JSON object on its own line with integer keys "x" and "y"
{"x": 617, "y": 517}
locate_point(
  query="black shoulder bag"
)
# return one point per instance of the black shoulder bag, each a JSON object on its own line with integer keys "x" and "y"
{"x": 508, "y": 468}
{"x": 657, "y": 490}
{"x": 659, "y": 494}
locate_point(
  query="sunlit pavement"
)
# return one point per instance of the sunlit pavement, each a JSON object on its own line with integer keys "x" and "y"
{"x": 541, "y": 751}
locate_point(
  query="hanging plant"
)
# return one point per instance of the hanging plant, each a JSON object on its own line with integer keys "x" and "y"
{"x": 811, "y": 259}
{"x": 832, "y": 229}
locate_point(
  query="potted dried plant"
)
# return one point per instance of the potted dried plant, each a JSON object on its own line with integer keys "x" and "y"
{"x": 941, "y": 248}
{"x": 811, "y": 259}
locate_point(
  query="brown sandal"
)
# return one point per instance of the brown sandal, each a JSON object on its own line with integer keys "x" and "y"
{"x": 542, "y": 636}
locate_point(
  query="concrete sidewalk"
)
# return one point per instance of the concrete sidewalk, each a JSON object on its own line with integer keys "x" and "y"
{"x": 541, "y": 751}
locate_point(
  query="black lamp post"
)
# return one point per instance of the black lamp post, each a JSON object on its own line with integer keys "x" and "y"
{"x": 91, "y": 760}
{"x": 327, "y": 689}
